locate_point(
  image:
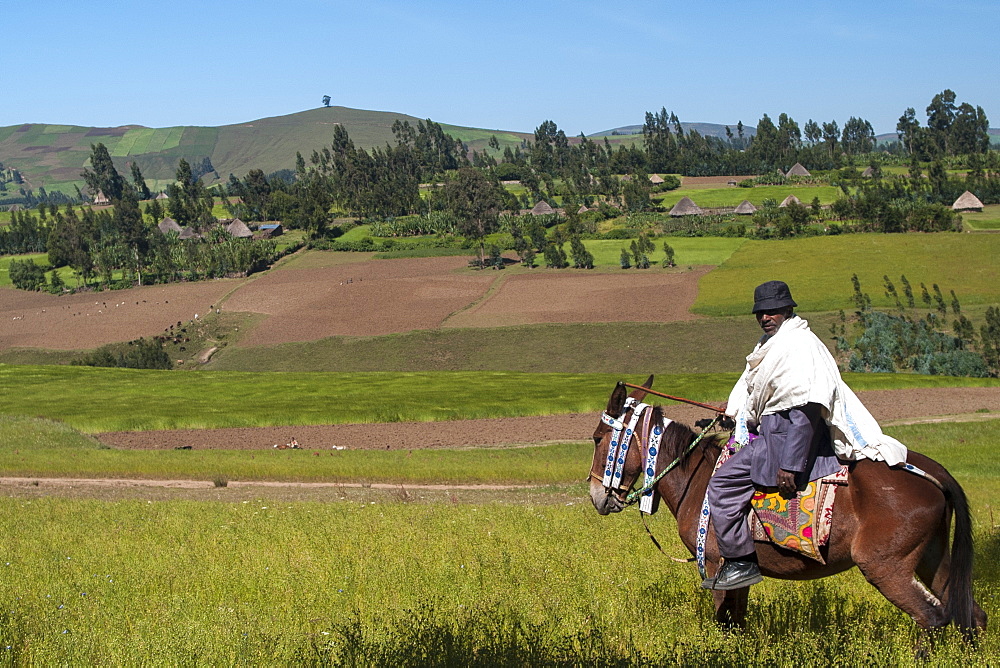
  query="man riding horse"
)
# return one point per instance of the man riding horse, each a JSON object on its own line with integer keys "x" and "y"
{"x": 794, "y": 417}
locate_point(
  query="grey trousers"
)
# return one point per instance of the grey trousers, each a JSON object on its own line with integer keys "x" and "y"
{"x": 729, "y": 494}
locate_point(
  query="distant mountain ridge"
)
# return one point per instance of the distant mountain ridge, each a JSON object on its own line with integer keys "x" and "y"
{"x": 704, "y": 129}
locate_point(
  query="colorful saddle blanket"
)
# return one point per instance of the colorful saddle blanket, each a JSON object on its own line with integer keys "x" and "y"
{"x": 801, "y": 524}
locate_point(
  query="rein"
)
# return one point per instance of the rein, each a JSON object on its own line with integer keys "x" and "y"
{"x": 635, "y": 496}
{"x": 715, "y": 409}
{"x": 621, "y": 438}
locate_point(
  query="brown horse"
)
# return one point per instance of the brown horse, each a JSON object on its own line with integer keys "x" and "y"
{"x": 891, "y": 524}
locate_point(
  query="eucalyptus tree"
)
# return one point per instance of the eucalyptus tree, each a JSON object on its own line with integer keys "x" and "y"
{"x": 475, "y": 199}
{"x": 102, "y": 176}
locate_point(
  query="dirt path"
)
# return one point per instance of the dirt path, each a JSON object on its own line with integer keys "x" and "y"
{"x": 888, "y": 406}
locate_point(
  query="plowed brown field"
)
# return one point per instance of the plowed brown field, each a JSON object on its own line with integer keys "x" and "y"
{"x": 360, "y": 299}
{"x": 305, "y": 302}
{"x": 90, "y": 319}
{"x": 568, "y": 297}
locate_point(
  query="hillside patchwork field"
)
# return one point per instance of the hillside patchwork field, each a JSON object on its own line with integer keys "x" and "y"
{"x": 436, "y": 504}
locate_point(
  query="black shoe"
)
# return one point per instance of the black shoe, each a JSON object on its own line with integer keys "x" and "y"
{"x": 734, "y": 574}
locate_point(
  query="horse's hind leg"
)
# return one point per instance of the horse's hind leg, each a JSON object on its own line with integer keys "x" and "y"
{"x": 898, "y": 583}
{"x": 934, "y": 569}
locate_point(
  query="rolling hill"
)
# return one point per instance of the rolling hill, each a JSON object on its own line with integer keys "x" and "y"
{"x": 54, "y": 155}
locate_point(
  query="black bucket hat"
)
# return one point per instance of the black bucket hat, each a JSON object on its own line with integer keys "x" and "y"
{"x": 772, "y": 295}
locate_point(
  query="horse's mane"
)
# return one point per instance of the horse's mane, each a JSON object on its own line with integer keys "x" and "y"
{"x": 678, "y": 436}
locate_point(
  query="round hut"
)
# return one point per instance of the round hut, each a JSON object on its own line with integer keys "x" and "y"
{"x": 542, "y": 208}
{"x": 967, "y": 202}
{"x": 686, "y": 207}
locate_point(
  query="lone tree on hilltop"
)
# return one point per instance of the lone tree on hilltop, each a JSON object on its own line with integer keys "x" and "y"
{"x": 326, "y": 100}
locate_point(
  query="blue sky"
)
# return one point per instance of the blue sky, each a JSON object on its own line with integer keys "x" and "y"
{"x": 588, "y": 66}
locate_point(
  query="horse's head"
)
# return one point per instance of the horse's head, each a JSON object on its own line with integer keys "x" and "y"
{"x": 611, "y": 499}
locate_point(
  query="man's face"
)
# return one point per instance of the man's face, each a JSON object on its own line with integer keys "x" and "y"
{"x": 771, "y": 319}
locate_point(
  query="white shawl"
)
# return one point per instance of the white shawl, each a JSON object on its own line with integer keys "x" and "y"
{"x": 793, "y": 368}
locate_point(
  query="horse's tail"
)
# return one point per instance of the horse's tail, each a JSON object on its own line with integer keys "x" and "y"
{"x": 959, "y": 607}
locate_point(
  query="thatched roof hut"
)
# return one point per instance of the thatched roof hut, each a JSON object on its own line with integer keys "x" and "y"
{"x": 189, "y": 233}
{"x": 583, "y": 209}
{"x": 268, "y": 230}
{"x": 868, "y": 173}
{"x": 967, "y": 202}
{"x": 686, "y": 207}
{"x": 239, "y": 229}
{"x": 169, "y": 225}
{"x": 162, "y": 195}
{"x": 798, "y": 170}
{"x": 745, "y": 208}
{"x": 100, "y": 199}
{"x": 791, "y": 199}
{"x": 542, "y": 208}
{"x": 656, "y": 179}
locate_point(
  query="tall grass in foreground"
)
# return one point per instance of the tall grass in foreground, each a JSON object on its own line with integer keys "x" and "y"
{"x": 415, "y": 583}
{"x": 128, "y": 583}
{"x": 94, "y": 400}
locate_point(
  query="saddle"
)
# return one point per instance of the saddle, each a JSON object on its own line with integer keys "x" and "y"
{"x": 801, "y": 524}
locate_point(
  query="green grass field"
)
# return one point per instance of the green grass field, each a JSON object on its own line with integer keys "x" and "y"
{"x": 987, "y": 219}
{"x": 414, "y": 579}
{"x": 37, "y": 258}
{"x": 41, "y": 259}
{"x": 689, "y": 251}
{"x": 820, "y": 269}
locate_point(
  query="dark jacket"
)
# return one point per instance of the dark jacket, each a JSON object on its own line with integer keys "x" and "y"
{"x": 796, "y": 440}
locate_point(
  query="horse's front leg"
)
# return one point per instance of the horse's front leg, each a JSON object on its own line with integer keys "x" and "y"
{"x": 731, "y": 608}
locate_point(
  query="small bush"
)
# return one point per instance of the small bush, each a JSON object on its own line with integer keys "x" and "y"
{"x": 26, "y": 275}
{"x": 138, "y": 354}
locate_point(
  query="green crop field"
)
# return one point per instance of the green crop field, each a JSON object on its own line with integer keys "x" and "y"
{"x": 731, "y": 197}
{"x": 820, "y": 269}
{"x": 689, "y": 251}
{"x": 170, "y": 400}
{"x": 699, "y": 346}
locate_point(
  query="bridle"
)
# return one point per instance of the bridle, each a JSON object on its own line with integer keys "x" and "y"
{"x": 650, "y": 435}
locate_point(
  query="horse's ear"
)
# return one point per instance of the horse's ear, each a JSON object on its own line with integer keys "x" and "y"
{"x": 639, "y": 395}
{"x": 617, "y": 401}
{"x": 657, "y": 417}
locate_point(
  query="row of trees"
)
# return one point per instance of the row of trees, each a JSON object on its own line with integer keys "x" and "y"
{"x": 120, "y": 246}
{"x": 951, "y": 129}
